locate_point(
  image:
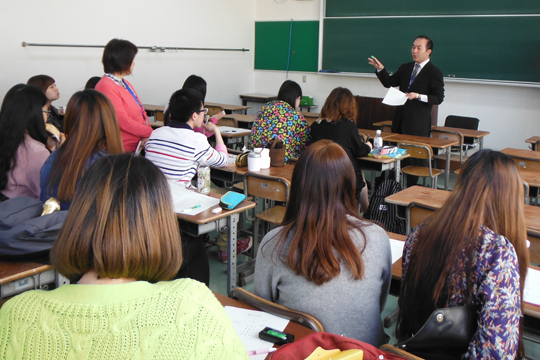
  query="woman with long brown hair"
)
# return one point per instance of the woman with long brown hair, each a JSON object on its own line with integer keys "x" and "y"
{"x": 92, "y": 131}
{"x": 338, "y": 123}
{"x": 472, "y": 251}
{"x": 325, "y": 260}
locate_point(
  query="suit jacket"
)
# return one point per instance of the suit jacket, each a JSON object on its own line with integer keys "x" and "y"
{"x": 414, "y": 117}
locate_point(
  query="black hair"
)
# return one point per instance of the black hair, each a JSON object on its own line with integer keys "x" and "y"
{"x": 289, "y": 92}
{"x": 118, "y": 56}
{"x": 92, "y": 82}
{"x": 21, "y": 112}
{"x": 429, "y": 45}
{"x": 196, "y": 83}
{"x": 183, "y": 104}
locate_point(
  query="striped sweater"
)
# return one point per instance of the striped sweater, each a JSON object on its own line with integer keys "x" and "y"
{"x": 177, "y": 150}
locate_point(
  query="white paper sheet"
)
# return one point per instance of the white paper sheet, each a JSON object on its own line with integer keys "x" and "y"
{"x": 396, "y": 246}
{"x": 394, "y": 97}
{"x": 531, "y": 293}
{"x": 184, "y": 199}
{"x": 248, "y": 324}
{"x": 233, "y": 130}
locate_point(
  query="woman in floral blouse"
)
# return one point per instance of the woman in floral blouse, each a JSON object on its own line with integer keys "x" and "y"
{"x": 279, "y": 119}
{"x": 472, "y": 251}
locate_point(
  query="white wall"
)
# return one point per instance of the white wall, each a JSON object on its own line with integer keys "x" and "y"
{"x": 511, "y": 114}
{"x": 181, "y": 23}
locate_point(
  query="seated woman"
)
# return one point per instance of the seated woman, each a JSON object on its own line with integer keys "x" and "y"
{"x": 118, "y": 62}
{"x": 199, "y": 84}
{"x": 23, "y": 141}
{"x": 118, "y": 246}
{"x": 472, "y": 251}
{"x": 338, "y": 123}
{"x": 48, "y": 86}
{"x": 325, "y": 260}
{"x": 279, "y": 120}
{"x": 92, "y": 131}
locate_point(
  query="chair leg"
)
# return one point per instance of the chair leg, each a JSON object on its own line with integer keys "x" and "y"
{"x": 404, "y": 180}
{"x": 434, "y": 182}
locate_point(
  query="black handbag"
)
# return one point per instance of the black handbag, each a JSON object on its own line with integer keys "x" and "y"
{"x": 445, "y": 335}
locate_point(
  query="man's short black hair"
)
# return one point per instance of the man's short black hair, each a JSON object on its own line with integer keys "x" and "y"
{"x": 429, "y": 45}
{"x": 183, "y": 104}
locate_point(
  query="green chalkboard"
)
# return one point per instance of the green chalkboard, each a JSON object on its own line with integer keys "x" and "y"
{"x": 493, "y": 47}
{"x": 340, "y": 8}
{"x": 272, "y": 45}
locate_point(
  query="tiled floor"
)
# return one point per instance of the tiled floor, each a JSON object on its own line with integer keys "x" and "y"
{"x": 218, "y": 283}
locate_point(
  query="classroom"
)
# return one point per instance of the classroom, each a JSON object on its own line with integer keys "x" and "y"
{"x": 508, "y": 110}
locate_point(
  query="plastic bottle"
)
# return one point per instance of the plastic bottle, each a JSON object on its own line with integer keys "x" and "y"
{"x": 203, "y": 178}
{"x": 377, "y": 141}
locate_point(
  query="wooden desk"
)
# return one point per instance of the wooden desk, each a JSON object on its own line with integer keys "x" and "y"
{"x": 308, "y": 107}
{"x": 371, "y": 133}
{"x": 230, "y": 109}
{"x": 235, "y": 135}
{"x": 441, "y": 144}
{"x": 370, "y": 163}
{"x": 310, "y": 117}
{"x": 257, "y": 98}
{"x": 297, "y": 330}
{"x": 17, "y": 277}
{"x": 525, "y": 159}
{"x": 380, "y": 124}
{"x": 468, "y": 133}
{"x": 247, "y": 120}
{"x": 206, "y": 221}
{"x": 534, "y": 141}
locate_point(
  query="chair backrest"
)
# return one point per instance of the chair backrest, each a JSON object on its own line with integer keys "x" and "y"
{"x": 417, "y": 150}
{"x": 397, "y": 351}
{"x": 224, "y": 121}
{"x": 534, "y": 248}
{"x": 417, "y": 214}
{"x": 266, "y": 187}
{"x": 386, "y": 128}
{"x": 275, "y": 309}
{"x": 463, "y": 122}
{"x": 213, "y": 110}
{"x": 450, "y": 135}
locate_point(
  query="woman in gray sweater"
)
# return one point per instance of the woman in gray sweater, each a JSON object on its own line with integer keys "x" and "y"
{"x": 325, "y": 260}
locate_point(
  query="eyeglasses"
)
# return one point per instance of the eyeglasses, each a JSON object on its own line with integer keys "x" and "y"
{"x": 205, "y": 111}
{"x": 46, "y": 111}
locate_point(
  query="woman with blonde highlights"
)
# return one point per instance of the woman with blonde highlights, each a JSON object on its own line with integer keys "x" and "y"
{"x": 325, "y": 260}
{"x": 92, "y": 131}
{"x": 472, "y": 251}
{"x": 118, "y": 246}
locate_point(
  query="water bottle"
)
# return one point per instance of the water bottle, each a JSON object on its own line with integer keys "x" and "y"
{"x": 377, "y": 141}
{"x": 203, "y": 178}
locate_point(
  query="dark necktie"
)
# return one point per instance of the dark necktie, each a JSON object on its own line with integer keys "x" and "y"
{"x": 414, "y": 73}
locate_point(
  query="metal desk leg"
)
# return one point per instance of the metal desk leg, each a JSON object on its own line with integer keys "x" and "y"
{"x": 481, "y": 142}
{"x": 397, "y": 170}
{"x": 447, "y": 170}
{"x": 246, "y": 141}
{"x": 231, "y": 247}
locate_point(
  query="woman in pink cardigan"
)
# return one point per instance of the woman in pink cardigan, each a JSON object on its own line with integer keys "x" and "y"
{"x": 118, "y": 62}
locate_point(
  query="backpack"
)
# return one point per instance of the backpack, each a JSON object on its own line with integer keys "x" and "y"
{"x": 23, "y": 232}
{"x": 383, "y": 213}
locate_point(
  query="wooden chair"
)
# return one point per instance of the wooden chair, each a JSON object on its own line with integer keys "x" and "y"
{"x": 225, "y": 121}
{"x": 271, "y": 189}
{"x": 420, "y": 151}
{"x": 463, "y": 122}
{"x": 417, "y": 214}
{"x": 456, "y": 161}
{"x": 399, "y": 352}
{"x": 275, "y": 309}
{"x": 213, "y": 110}
{"x": 534, "y": 248}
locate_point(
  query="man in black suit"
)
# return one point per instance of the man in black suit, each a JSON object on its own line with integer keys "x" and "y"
{"x": 423, "y": 84}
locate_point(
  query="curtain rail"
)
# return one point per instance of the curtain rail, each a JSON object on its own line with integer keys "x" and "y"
{"x": 151, "y": 48}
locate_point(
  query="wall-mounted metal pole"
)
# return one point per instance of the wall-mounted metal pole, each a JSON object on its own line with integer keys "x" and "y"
{"x": 151, "y": 48}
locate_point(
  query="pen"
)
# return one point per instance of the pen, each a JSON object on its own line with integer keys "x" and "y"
{"x": 261, "y": 351}
{"x": 192, "y": 208}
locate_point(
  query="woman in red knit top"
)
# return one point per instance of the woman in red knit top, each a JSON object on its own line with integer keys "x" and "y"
{"x": 118, "y": 62}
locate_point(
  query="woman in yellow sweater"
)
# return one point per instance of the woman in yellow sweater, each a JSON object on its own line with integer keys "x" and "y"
{"x": 118, "y": 246}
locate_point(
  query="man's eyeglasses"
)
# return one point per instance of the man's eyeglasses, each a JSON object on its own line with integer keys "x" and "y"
{"x": 205, "y": 111}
